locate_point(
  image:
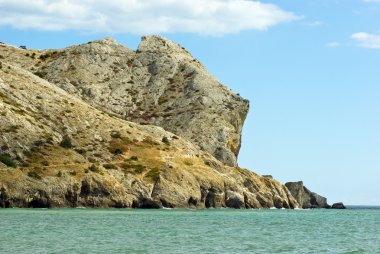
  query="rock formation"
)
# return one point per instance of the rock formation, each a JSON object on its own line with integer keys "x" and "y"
{"x": 73, "y": 147}
{"x": 339, "y": 205}
{"x": 159, "y": 84}
{"x": 305, "y": 197}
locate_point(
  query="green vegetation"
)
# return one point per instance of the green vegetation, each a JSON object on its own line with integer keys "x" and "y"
{"x": 109, "y": 166}
{"x": 165, "y": 140}
{"x": 80, "y": 150}
{"x": 188, "y": 162}
{"x": 40, "y": 74}
{"x": 7, "y": 160}
{"x": 52, "y": 54}
{"x": 154, "y": 174}
{"x": 93, "y": 168}
{"x": 138, "y": 168}
{"x": 149, "y": 141}
{"x": 117, "y": 147}
{"x": 115, "y": 134}
{"x": 66, "y": 142}
{"x": 34, "y": 175}
{"x": 134, "y": 158}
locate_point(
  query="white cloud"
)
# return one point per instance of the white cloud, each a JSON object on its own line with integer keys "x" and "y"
{"x": 367, "y": 40}
{"x": 211, "y": 17}
{"x": 333, "y": 44}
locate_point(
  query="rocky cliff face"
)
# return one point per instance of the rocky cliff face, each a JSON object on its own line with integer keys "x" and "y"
{"x": 305, "y": 197}
{"x": 56, "y": 150}
{"x": 159, "y": 84}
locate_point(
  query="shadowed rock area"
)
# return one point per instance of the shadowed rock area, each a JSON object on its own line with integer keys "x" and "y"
{"x": 305, "y": 197}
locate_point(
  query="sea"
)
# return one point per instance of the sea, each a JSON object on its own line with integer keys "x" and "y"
{"x": 354, "y": 230}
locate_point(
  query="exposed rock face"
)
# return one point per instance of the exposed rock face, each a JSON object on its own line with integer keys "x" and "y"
{"x": 339, "y": 205}
{"x": 159, "y": 84}
{"x": 305, "y": 197}
{"x": 58, "y": 151}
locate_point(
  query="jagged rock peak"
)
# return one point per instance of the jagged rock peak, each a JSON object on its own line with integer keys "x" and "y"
{"x": 106, "y": 40}
{"x": 155, "y": 43}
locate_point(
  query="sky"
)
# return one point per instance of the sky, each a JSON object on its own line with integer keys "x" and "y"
{"x": 309, "y": 68}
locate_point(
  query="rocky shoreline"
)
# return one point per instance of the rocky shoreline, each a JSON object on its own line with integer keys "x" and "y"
{"x": 100, "y": 125}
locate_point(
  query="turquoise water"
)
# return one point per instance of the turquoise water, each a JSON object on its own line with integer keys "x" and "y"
{"x": 188, "y": 231}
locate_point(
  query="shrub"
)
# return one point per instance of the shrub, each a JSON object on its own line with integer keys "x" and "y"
{"x": 59, "y": 174}
{"x": 115, "y": 134}
{"x": 188, "y": 162}
{"x": 154, "y": 174}
{"x": 40, "y": 74}
{"x": 80, "y": 150}
{"x": 66, "y": 142}
{"x": 34, "y": 175}
{"x": 7, "y": 160}
{"x": 117, "y": 147}
{"x": 109, "y": 166}
{"x": 165, "y": 140}
{"x": 93, "y": 168}
{"x": 134, "y": 158}
{"x": 139, "y": 168}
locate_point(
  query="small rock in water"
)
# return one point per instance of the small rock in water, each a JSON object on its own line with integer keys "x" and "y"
{"x": 339, "y": 205}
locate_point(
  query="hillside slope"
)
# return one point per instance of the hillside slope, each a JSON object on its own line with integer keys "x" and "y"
{"x": 58, "y": 151}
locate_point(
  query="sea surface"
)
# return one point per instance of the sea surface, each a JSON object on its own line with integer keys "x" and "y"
{"x": 355, "y": 230}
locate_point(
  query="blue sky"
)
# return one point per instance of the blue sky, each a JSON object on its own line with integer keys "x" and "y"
{"x": 309, "y": 68}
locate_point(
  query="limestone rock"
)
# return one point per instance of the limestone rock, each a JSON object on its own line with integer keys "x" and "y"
{"x": 305, "y": 197}
{"x": 70, "y": 154}
{"x": 160, "y": 84}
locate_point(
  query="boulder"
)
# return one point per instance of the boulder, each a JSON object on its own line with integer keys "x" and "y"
{"x": 339, "y": 205}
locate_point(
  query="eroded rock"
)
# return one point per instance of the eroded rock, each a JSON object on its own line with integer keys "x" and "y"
{"x": 305, "y": 197}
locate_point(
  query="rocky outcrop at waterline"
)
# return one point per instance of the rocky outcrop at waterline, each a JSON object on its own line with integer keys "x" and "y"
{"x": 305, "y": 198}
{"x": 339, "y": 205}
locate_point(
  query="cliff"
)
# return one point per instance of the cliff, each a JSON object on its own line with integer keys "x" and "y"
{"x": 66, "y": 141}
{"x": 159, "y": 84}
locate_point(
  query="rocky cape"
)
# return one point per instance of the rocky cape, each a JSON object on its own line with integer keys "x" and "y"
{"x": 100, "y": 125}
